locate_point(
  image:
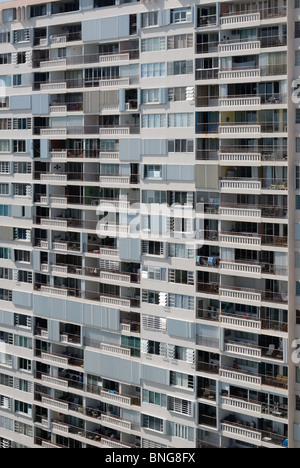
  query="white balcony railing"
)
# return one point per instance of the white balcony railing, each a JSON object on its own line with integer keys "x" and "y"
{"x": 116, "y": 350}
{"x": 235, "y": 20}
{"x": 115, "y": 277}
{"x": 233, "y": 431}
{"x": 238, "y": 322}
{"x": 239, "y": 212}
{"x": 242, "y": 158}
{"x": 54, "y": 63}
{"x": 53, "y": 132}
{"x": 239, "y": 74}
{"x": 243, "y": 350}
{"x": 240, "y": 102}
{"x": 239, "y": 129}
{"x": 245, "y": 268}
{"x": 239, "y": 47}
{"x": 115, "y": 180}
{"x": 116, "y": 422}
{"x": 240, "y": 377}
{"x": 53, "y": 178}
{"x": 54, "y": 291}
{"x": 239, "y": 295}
{"x": 238, "y": 405}
{"x": 114, "y": 58}
{"x": 240, "y": 240}
{"x": 54, "y": 86}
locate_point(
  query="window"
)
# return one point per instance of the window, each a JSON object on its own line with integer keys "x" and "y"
{"x": 24, "y": 429}
{"x": 23, "y": 341}
{"x": 5, "y": 59}
{"x": 181, "y": 146}
{"x": 4, "y": 189}
{"x": 17, "y": 80}
{"x": 5, "y": 253}
{"x": 179, "y": 430}
{"x": 22, "y": 124}
{"x": 22, "y": 168}
{"x": 23, "y": 276}
{"x": 5, "y": 402}
{"x": 154, "y": 121}
{"x": 181, "y": 120}
{"x": 4, "y": 37}
{"x": 153, "y": 44}
{"x": 5, "y": 146}
{"x": 5, "y": 359}
{"x": 154, "y": 273}
{"x": 4, "y": 102}
{"x": 22, "y": 190}
{"x": 181, "y": 380}
{"x": 133, "y": 343}
{"x": 4, "y": 167}
{"x": 5, "y": 295}
{"x": 181, "y": 67}
{"x": 38, "y": 10}
{"x": 154, "y": 196}
{"x": 22, "y": 35}
{"x": 21, "y": 320}
{"x": 5, "y": 124}
{"x": 5, "y": 210}
{"x": 152, "y": 172}
{"x": 22, "y": 407}
{"x": 6, "y": 273}
{"x": 153, "y": 248}
{"x": 180, "y": 406}
{"x": 25, "y": 364}
{"x": 181, "y": 276}
{"x": 151, "y": 322}
{"x": 177, "y": 94}
{"x": 181, "y": 15}
{"x": 181, "y": 301}
{"x": 154, "y": 398}
{"x": 150, "y": 422}
{"x": 150, "y": 96}
{"x": 181, "y": 251}
{"x": 149, "y": 19}
{"x": 181, "y": 41}
{"x": 153, "y": 70}
{"x": 22, "y": 256}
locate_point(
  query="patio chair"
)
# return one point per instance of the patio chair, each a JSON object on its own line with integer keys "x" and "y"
{"x": 271, "y": 350}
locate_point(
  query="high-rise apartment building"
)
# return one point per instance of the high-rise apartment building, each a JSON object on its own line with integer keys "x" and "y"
{"x": 149, "y": 223}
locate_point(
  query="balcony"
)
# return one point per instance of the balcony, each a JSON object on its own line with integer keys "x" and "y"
{"x": 239, "y": 47}
{"x": 113, "y": 58}
{"x": 240, "y": 185}
{"x": 244, "y": 19}
{"x": 234, "y": 102}
{"x": 245, "y": 350}
{"x": 249, "y": 296}
{"x": 123, "y": 302}
{"x": 240, "y": 323}
{"x": 231, "y": 212}
{"x": 245, "y": 379}
{"x": 254, "y": 436}
{"x": 251, "y": 239}
{"x": 254, "y": 407}
{"x": 240, "y": 239}
{"x": 252, "y": 72}
{"x": 240, "y": 130}
{"x": 111, "y": 396}
{"x": 119, "y": 130}
{"x": 234, "y": 17}
{"x": 245, "y": 269}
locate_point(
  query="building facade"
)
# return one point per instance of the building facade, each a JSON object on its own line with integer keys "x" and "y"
{"x": 149, "y": 230}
